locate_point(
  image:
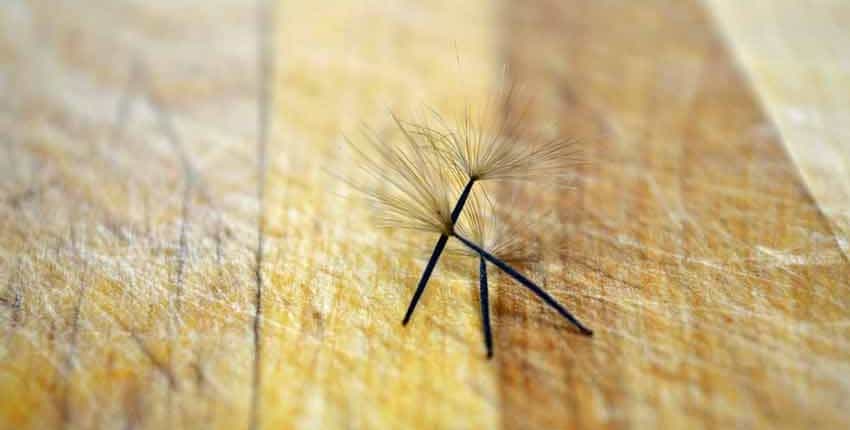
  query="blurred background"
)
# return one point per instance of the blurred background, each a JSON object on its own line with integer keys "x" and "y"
{"x": 177, "y": 251}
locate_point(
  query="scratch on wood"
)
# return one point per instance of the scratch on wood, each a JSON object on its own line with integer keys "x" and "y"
{"x": 17, "y": 300}
{"x": 65, "y": 409}
{"x": 265, "y": 16}
{"x": 162, "y": 367}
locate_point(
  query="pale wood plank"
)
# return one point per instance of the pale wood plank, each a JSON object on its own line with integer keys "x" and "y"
{"x": 795, "y": 54}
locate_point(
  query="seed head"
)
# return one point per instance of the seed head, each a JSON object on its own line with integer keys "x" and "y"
{"x": 406, "y": 178}
{"x": 483, "y": 147}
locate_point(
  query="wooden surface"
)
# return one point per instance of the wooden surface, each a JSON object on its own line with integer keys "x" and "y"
{"x": 710, "y": 267}
{"x": 793, "y": 52}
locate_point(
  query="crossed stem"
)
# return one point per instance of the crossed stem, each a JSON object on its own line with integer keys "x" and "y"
{"x": 484, "y": 257}
{"x": 527, "y": 283}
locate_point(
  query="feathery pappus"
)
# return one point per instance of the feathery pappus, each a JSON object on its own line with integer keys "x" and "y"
{"x": 485, "y": 148}
{"x": 412, "y": 180}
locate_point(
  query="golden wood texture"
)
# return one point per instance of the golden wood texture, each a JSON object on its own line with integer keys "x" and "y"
{"x": 795, "y": 55}
{"x": 128, "y": 226}
{"x": 717, "y": 286}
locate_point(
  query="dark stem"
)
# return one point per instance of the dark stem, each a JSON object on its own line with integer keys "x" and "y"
{"x": 461, "y": 201}
{"x": 527, "y": 283}
{"x": 435, "y": 254}
{"x": 423, "y": 281}
{"x": 485, "y": 307}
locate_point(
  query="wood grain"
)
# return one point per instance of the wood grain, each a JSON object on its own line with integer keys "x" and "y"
{"x": 129, "y": 225}
{"x": 793, "y": 52}
{"x": 714, "y": 280}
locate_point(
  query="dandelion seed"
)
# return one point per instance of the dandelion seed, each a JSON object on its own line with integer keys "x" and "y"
{"x": 476, "y": 152}
{"x": 411, "y": 184}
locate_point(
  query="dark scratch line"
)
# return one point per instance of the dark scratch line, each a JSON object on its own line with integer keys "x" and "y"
{"x": 17, "y": 302}
{"x": 75, "y": 334}
{"x": 166, "y": 125}
{"x": 140, "y": 79}
{"x": 12, "y": 156}
{"x": 191, "y": 176}
{"x": 17, "y": 308}
{"x": 161, "y": 366}
{"x": 122, "y": 112}
{"x": 16, "y": 200}
{"x": 181, "y": 259}
{"x": 265, "y": 16}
